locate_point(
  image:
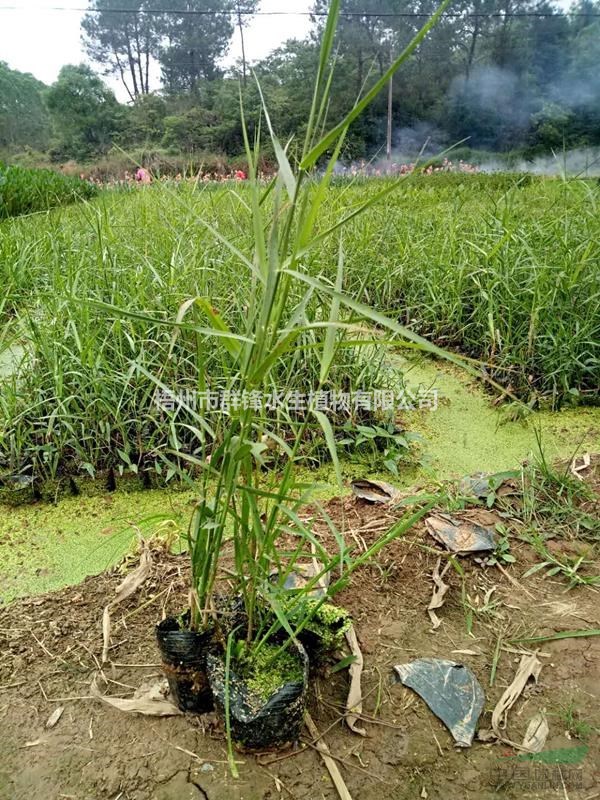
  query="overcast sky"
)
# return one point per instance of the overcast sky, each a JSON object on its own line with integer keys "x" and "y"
{"x": 38, "y": 40}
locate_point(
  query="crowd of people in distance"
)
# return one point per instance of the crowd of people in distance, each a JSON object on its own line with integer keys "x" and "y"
{"x": 385, "y": 168}
{"x": 143, "y": 176}
{"x": 381, "y": 169}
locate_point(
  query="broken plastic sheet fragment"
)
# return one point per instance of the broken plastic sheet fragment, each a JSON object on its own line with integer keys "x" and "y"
{"x": 461, "y": 535}
{"x": 450, "y": 690}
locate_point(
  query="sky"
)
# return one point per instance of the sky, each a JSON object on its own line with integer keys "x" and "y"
{"x": 35, "y": 39}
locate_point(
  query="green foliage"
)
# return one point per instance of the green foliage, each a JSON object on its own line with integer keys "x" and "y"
{"x": 145, "y": 121}
{"x": 375, "y": 444}
{"x": 555, "y": 500}
{"x": 192, "y": 131}
{"x": 122, "y": 43}
{"x": 191, "y": 47}
{"x": 508, "y": 275}
{"x": 85, "y": 113}
{"x": 23, "y": 115}
{"x": 527, "y": 83}
{"x": 550, "y": 128}
{"x": 23, "y": 191}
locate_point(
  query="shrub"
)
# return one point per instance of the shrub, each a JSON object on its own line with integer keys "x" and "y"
{"x": 23, "y": 191}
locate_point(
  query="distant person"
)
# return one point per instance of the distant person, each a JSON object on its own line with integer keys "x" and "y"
{"x": 143, "y": 176}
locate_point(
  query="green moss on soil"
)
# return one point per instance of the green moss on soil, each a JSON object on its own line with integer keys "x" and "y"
{"x": 329, "y": 625}
{"x": 269, "y": 669}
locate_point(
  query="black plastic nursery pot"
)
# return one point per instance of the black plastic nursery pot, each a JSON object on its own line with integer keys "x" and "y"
{"x": 258, "y": 722}
{"x": 184, "y": 655}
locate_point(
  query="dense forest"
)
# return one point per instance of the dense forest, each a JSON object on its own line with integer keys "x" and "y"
{"x": 504, "y": 75}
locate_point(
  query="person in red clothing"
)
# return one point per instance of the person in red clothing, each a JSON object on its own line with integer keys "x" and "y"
{"x": 143, "y": 176}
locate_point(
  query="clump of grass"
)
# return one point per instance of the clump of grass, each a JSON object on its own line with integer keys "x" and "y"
{"x": 503, "y": 270}
{"x": 556, "y": 502}
{"x": 556, "y": 506}
{"x": 24, "y": 191}
{"x": 84, "y": 398}
{"x": 574, "y": 722}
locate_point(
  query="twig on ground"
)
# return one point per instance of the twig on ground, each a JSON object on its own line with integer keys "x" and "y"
{"x": 12, "y": 686}
{"x": 278, "y": 782}
{"x": 332, "y": 767}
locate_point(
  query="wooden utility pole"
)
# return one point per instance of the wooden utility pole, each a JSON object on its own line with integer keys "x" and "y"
{"x": 389, "y": 113}
{"x": 389, "y": 120}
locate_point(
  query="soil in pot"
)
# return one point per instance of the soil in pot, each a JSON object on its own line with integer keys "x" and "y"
{"x": 184, "y": 654}
{"x": 267, "y": 694}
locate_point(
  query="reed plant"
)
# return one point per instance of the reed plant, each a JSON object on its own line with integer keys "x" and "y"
{"x": 236, "y": 499}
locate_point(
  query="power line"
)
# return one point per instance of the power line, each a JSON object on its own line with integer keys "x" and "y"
{"x": 344, "y": 14}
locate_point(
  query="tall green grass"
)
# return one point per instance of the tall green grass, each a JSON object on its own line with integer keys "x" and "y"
{"x": 504, "y": 271}
{"x": 25, "y": 191}
{"x": 83, "y": 399}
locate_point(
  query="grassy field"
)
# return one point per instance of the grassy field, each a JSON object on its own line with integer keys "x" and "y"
{"x": 505, "y": 270}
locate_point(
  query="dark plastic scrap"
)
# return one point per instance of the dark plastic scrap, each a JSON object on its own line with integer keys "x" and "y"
{"x": 450, "y": 690}
{"x": 460, "y": 536}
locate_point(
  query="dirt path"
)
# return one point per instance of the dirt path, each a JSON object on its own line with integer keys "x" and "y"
{"x": 49, "y": 650}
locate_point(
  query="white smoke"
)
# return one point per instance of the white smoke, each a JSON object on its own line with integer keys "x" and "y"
{"x": 583, "y": 162}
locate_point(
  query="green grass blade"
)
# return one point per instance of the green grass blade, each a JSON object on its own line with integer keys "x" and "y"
{"x": 329, "y": 139}
{"x": 330, "y": 334}
{"x": 330, "y": 440}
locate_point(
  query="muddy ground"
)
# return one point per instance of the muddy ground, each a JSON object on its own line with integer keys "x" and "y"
{"x": 50, "y": 648}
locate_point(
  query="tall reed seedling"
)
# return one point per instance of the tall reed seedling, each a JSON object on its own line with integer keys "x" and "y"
{"x": 238, "y": 501}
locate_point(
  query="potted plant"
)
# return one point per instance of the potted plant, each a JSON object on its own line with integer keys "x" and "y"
{"x": 256, "y": 665}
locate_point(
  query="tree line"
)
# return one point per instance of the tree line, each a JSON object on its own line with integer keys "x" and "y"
{"x": 504, "y": 75}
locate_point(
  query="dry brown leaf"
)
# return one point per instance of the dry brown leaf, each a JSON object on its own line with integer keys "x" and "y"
{"x": 577, "y": 468}
{"x": 439, "y": 593}
{"x": 148, "y": 700}
{"x": 529, "y": 667}
{"x": 135, "y": 579}
{"x": 354, "y": 700}
{"x": 537, "y": 733}
{"x": 126, "y": 588}
{"x": 332, "y": 767}
{"x": 54, "y": 718}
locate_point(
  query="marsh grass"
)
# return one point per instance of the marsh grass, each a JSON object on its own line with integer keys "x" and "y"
{"x": 27, "y": 191}
{"x": 507, "y": 275}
